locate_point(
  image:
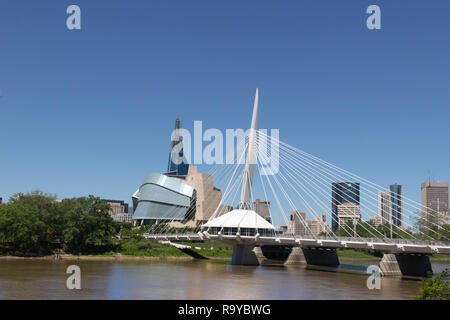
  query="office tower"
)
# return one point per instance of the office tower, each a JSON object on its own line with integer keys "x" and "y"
{"x": 177, "y": 165}
{"x": 384, "y": 207}
{"x": 262, "y": 208}
{"x": 434, "y": 202}
{"x": 396, "y": 194}
{"x": 342, "y": 192}
{"x": 390, "y": 205}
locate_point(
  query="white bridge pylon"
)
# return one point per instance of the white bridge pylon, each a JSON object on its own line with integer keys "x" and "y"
{"x": 243, "y": 220}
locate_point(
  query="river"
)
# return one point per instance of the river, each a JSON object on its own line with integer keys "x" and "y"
{"x": 113, "y": 279}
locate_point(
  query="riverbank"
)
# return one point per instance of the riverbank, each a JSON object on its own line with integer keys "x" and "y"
{"x": 117, "y": 257}
{"x": 142, "y": 249}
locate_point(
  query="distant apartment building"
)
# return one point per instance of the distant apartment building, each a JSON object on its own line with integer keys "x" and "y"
{"x": 122, "y": 217}
{"x": 318, "y": 225}
{"x": 390, "y": 205}
{"x": 297, "y": 223}
{"x": 117, "y": 206}
{"x": 444, "y": 218}
{"x": 282, "y": 229}
{"x": 262, "y": 208}
{"x": 1, "y": 200}
{"x": 435, "y": 202}
{"x": 375, "y": 220}
{"x": 384, "y": 207}
{"x": 348, "y": 212}
{"x": 342, "y": 192}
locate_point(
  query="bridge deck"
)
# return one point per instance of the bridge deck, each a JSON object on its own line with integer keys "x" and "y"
{"x": 388, "y": 245}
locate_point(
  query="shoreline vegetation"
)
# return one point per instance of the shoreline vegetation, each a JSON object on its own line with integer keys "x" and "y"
{"x": 36, "y": 226}
{"x": 345, "y": 255}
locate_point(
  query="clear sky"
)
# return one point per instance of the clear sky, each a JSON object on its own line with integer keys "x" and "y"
{"x": 91, "y": 111}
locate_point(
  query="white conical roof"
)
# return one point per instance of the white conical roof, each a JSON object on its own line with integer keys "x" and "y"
{"x": 240, "y": 219}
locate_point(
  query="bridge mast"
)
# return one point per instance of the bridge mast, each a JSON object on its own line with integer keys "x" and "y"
{"x": 251, "y": 159}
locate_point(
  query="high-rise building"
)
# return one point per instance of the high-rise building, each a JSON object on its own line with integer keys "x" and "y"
{"x": 1, "y": 200}
{"x": 390, "y": 205}
{"x": 384, "y": 207}
{"x": 178, "y": 165}
{"x": 342, "y": 192}
{"x": 262, "y": 208}
{"x": 396, "y": 194}
{"x": 434, "y": 202}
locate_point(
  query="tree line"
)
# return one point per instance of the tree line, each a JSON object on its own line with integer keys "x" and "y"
{"x": 37, "y": 224}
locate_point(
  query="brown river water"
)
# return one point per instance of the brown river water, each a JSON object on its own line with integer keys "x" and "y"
{"x": 46, "y": 279}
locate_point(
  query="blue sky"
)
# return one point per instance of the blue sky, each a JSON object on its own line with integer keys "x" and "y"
{"x": 91, "y": 111}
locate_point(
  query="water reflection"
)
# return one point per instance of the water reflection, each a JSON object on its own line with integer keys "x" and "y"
{"x": 45, "y": 279}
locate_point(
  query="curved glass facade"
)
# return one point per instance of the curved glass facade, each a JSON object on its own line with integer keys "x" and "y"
{"x": 163, "y": 198}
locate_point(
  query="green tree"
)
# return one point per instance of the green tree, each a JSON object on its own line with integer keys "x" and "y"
{"x": 435, "y": 288}
{"x": 37, "y": 224}
{"x": 23, "y": 227}
{"x": 87, "y": 226}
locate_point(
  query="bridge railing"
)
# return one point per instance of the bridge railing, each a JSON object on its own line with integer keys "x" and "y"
{"x": 292, "y": 236}
{"x": 370, "y": 240}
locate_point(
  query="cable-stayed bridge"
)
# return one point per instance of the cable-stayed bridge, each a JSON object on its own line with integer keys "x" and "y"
{"x": 344, "y": 211}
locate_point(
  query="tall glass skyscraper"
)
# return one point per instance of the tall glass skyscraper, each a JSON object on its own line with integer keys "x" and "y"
{"x": 396, "y": 204}
{"x": 342, "y": 192}
{"x": 177, "y": 168}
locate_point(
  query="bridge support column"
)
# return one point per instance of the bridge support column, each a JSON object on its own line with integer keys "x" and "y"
{"x": 243, "y": 255}
{"x": 405, "y": 265}
{"x": 313, "y": 256}
{"x": 296, "y": 257}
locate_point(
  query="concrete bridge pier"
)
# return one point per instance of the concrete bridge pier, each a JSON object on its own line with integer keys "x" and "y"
{"x": 400, "y": 264}
{"x": 313, "y": 256}
{"x": 243, "y": 255}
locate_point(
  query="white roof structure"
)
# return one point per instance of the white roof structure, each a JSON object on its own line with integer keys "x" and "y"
{"x": 240, "y": 219}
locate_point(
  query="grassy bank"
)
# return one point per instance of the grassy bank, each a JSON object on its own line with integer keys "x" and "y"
{"x": 147, "y": 248}
{"x": 440, "y": 258}
{"x": 376, "y": 255}
{"x": 143, "y": 249}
